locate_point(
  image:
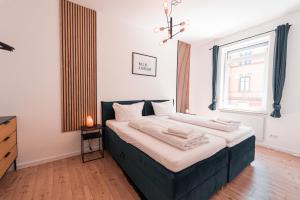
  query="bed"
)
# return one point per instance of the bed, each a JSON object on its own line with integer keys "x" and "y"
{"x": 198, "y": 181}
{"x": 240, "y": 145}
{"x": 155, "y": 179}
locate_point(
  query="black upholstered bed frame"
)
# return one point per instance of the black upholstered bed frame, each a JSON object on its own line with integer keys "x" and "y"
{"x": 197, "y": 182}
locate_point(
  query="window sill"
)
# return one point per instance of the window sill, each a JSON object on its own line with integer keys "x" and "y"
{"x": 243, "y": 112}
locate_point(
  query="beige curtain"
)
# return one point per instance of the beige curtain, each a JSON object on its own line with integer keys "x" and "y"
{"x": 183, "y": 76}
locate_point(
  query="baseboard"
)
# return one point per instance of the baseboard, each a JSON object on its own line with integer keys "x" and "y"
{"x": 46, "y": 160}
{"x": 76, "y": 153}
{"x": 53, "y": 158}
{"x": 276, "y": 148}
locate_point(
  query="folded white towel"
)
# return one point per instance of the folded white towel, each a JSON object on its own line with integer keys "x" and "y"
{"x": 176, "y": 134}
{"x": 138, "y": 124}
{"x": 228, "y": 121}
{"x": 197, "y": 143}
{"x": 232, "y": 124}
{"x": 181, "y": 136}
{"x": 156, "y": 130}
{"x": 180, "y": 131}
{"x": 204, "y": 122}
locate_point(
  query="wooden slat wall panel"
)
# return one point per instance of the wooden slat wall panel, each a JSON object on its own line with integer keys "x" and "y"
{"x": 183, "y": 76}
{"x": 79, "y": 65}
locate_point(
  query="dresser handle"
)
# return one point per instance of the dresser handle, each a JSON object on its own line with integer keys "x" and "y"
{"x": 6, "y": 155}
{"x": 6, "y": 138}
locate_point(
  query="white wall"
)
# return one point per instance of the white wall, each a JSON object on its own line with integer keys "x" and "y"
{"x": 116, "y": 44}
{"x": 281, "y": 134}
{"x": 30, "y": 76}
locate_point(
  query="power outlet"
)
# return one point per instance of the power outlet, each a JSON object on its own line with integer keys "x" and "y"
{"x": 273, "y": 136}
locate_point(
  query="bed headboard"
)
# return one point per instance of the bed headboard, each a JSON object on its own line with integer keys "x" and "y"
{"x": 108, "y": 112}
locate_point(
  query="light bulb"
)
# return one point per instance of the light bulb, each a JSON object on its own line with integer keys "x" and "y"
{"x": 183, "y": 29}
{"x": 156, "y": 30}
{"x": 186, "y": 27}
{"x": 187, "y": 22}
{"x": 162, "y": 42}
{"x": 166, "y": 7}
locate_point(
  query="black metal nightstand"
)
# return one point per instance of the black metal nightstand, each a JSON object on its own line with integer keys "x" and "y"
{"x": 89, "y": 133}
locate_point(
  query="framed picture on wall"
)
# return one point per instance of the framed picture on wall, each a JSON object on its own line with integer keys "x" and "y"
{"x": 143, "y": 64}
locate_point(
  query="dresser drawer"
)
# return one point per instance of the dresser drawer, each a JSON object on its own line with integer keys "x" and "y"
{"x": 7, "y": 128}
{"x": 8, "y": 160}
{"x": 7, "y": 144}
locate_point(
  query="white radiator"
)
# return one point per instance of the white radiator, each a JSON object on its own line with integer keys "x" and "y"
{"x": 257, "y": 122}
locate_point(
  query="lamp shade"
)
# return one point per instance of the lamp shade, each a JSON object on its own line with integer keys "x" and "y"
{"x": 89, "y": 121}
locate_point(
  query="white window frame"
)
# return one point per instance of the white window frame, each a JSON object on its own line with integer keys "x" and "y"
{"x": 244, "y": 78}
{"x": 223, "y": 87}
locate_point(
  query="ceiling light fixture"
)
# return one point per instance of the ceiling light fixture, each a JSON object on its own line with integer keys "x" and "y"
{"x": 6, "y": 47}
{"x": 170, "y": 25}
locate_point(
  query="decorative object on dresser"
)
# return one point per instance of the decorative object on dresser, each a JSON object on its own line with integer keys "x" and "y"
{"x": 8, "y": 143}
{"x": 89, "y": 133}
{"x": 144, "y": 64}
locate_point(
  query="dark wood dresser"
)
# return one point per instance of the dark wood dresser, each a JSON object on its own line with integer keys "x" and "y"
{"x": 8, "y": 143}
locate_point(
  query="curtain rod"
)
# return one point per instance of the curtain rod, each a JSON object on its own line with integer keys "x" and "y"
{"x": 247, "y": 38}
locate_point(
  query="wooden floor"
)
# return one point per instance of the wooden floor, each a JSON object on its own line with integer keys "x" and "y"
{"x": 273, "y": 176}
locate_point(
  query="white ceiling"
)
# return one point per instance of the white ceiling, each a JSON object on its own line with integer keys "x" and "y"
{"x": 209, "y": 18}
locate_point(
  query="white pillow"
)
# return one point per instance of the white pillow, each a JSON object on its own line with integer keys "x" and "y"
{"x": 163, "y": 108}
{"x": 128, "y": 112}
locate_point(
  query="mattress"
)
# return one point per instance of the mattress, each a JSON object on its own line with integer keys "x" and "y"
{"x": 240, "y": 139}
{"x": 170, "y": 157}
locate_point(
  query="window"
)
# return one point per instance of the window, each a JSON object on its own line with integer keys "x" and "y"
{"x": 245, "y": 84}
{"x": 244, "y": 76}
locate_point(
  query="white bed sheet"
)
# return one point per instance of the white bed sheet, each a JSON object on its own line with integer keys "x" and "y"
{"x": 172, "y": 158}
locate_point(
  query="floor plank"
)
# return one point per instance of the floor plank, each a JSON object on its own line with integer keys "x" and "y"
{"x": 273, "y": 175}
